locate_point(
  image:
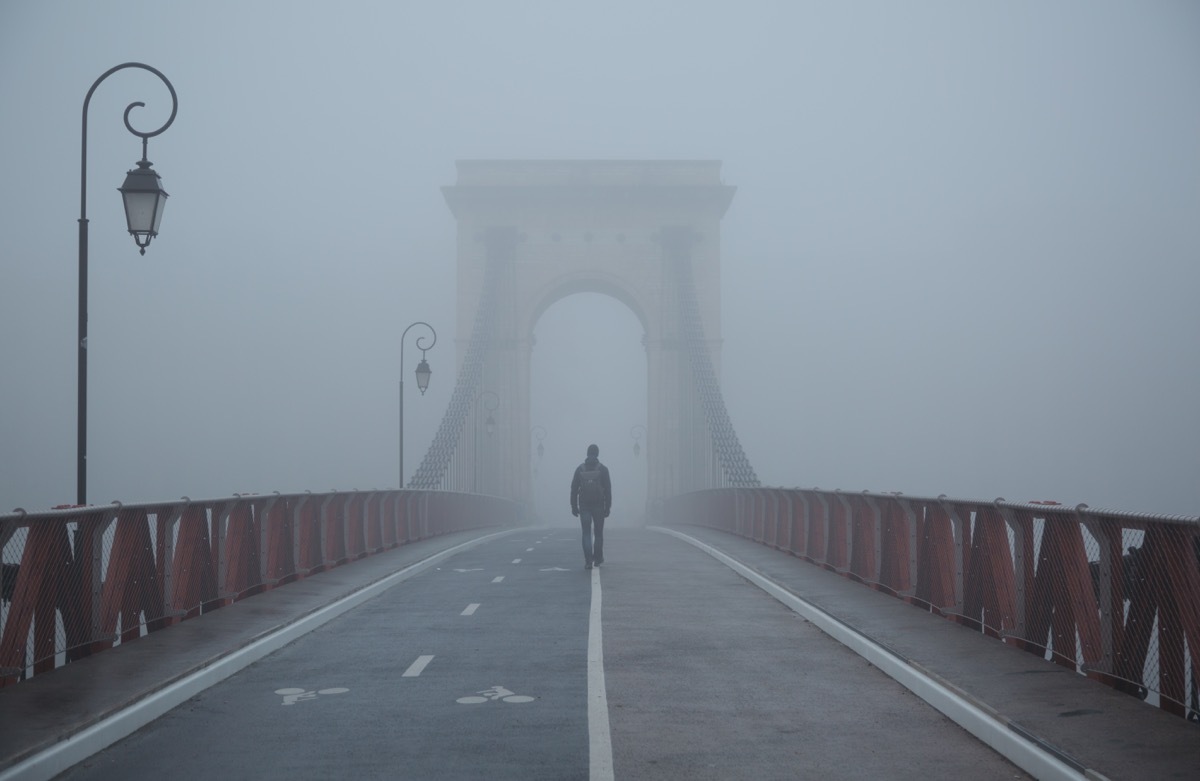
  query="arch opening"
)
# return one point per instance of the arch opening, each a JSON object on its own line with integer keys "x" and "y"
{"x": 588, "y": 385}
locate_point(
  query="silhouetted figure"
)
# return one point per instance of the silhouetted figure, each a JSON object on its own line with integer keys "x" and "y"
{"x": 591, "y": 500}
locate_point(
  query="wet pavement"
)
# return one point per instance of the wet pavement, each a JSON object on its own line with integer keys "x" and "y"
{"x": 476, "y": 664}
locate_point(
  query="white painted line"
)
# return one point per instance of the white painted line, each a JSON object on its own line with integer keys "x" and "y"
{"x": 471, "y": 608}
{"x": 600, "y": 759}
{"x": 498, "y": 578}
{"x": 417, "y": 667}
{"x": 516, "y": 561}
{"x": 99, "y": 736}
{"x": 987, "y": 727}
{"x": 527, "y": 550}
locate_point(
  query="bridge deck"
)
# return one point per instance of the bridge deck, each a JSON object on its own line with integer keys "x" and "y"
{"x": 705, "y": 677}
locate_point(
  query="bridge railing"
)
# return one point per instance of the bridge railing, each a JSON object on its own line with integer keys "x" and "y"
{"x": 80, "y": 579}
{"x": 1112, "y": 595}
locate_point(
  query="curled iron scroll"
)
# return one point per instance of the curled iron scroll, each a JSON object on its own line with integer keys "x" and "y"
{"x": 139, "y": 104}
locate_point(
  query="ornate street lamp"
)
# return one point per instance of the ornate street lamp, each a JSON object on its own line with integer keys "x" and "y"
{"x": 423, "y": 374}
{"x": 144, "y": 200}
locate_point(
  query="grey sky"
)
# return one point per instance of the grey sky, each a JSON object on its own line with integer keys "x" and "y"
{"x": 962, "y": 257}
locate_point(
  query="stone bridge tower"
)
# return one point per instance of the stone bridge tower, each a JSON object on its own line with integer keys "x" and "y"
{"x": 533, "y": 232}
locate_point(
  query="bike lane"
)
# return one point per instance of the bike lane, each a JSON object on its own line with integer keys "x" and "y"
{"x": 477, "y": 668}
{"x": 708, "y": 677}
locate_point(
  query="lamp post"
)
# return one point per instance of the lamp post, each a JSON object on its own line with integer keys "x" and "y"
{"x": 539, "y": 434}
{"x": 423, "y": 373}
{"x": 637, "y": 432}
{"x": 144, "y": 200}
{"x": 490, "y": 402}
{"x": 490, "y": 424}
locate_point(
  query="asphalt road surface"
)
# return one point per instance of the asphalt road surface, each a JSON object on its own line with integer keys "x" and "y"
{"x": 480, "y": 669}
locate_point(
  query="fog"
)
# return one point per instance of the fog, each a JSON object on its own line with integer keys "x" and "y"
{"x": 962, "y": 257}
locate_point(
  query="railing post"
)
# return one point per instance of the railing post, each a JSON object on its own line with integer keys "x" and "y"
{"x": 877, "y": 543}
{"x": 220, "y": 519}
{"x": 959, "y": 541}
{"x": 784, "y": 498}
{"x": 910, "y": 517}
{"x": 1104, "y": 591}
{"x": 846, "y": 554}
{"x": 1019, "y": 570}
{"x": 805, "y": 513}
{"x": 296, "y": 512}
{"x": 263, "y": 513}
{"x": 96, "y": 630}
{"x": 323, "y": 526}
{"x": 166, "y": 544}
{"x": 827, "y": 528}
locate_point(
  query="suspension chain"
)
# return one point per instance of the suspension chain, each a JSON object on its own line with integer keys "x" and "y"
{"x": 435, "y": 467}
{"x": 735, "y": 467}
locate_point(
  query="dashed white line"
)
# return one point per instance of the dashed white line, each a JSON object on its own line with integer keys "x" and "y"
{"x": 516, "y": 561}
{"x": 498, "y": 578}
{"x": 471, "y": 608}
{"x": 417, "y": 667}
{"x": 527, "y": 550}
{"x": 103, "y": 733}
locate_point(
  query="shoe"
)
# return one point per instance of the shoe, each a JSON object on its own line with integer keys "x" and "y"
{"x": 587, "y": 565}
{"x": 599, "y": 562}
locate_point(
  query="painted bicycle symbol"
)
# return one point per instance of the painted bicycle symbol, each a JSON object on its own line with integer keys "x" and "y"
{"x": 494, "y": 693}
{"x": 292, "y": 695}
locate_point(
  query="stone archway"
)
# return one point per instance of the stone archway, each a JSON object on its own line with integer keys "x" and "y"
{"x": 552, "y": 228}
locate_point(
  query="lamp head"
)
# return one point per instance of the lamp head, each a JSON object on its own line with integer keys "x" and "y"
{"x": 144, "y": 199}
{"x": 423, "y": 373}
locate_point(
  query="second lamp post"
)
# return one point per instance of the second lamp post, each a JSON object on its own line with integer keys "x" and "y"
{"x": 144, "y": 199}
{"x": 423, "y": 373}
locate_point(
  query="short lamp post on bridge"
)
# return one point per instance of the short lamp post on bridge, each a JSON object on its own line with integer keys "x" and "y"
{"x": 637, "y": 432}
{"x": 490, "y": 403}
{"x": 144, "y": 199}
{"x": 423, "y": 373}
{"x": 539, "y": 434}
{"x": 489, "y": 425}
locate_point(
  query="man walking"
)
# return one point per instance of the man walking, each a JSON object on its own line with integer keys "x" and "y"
{"x": 591, "y": 500}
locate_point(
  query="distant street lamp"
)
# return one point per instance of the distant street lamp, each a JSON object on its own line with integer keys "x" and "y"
{"x": 539, "y": 434}
{"x": 144, "y": 200}
{"x": 637, "y": 432}
{"x": 490, "y": 423}
{"x": 490, "y": 402}
{"x": 423, "y": 373}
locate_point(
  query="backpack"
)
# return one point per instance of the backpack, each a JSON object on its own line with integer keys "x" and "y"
{"x": 591, "y": 490}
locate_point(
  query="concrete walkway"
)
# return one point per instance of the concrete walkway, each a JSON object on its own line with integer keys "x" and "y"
{"x": 705, "y": 679}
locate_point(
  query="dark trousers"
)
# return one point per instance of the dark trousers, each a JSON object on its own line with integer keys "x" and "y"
{"x": 592, "y": 518}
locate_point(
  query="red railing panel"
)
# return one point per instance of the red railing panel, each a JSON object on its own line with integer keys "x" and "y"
{"x": 1115, "y": 596}
{"x": 107, "y": 575}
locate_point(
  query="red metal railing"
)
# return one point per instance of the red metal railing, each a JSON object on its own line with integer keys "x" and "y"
{"x": 1112, "y": 595}
{"x": 80, "y": 579}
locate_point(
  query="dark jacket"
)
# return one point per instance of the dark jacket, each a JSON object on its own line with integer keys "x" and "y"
{"x": 605, "y": 483}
